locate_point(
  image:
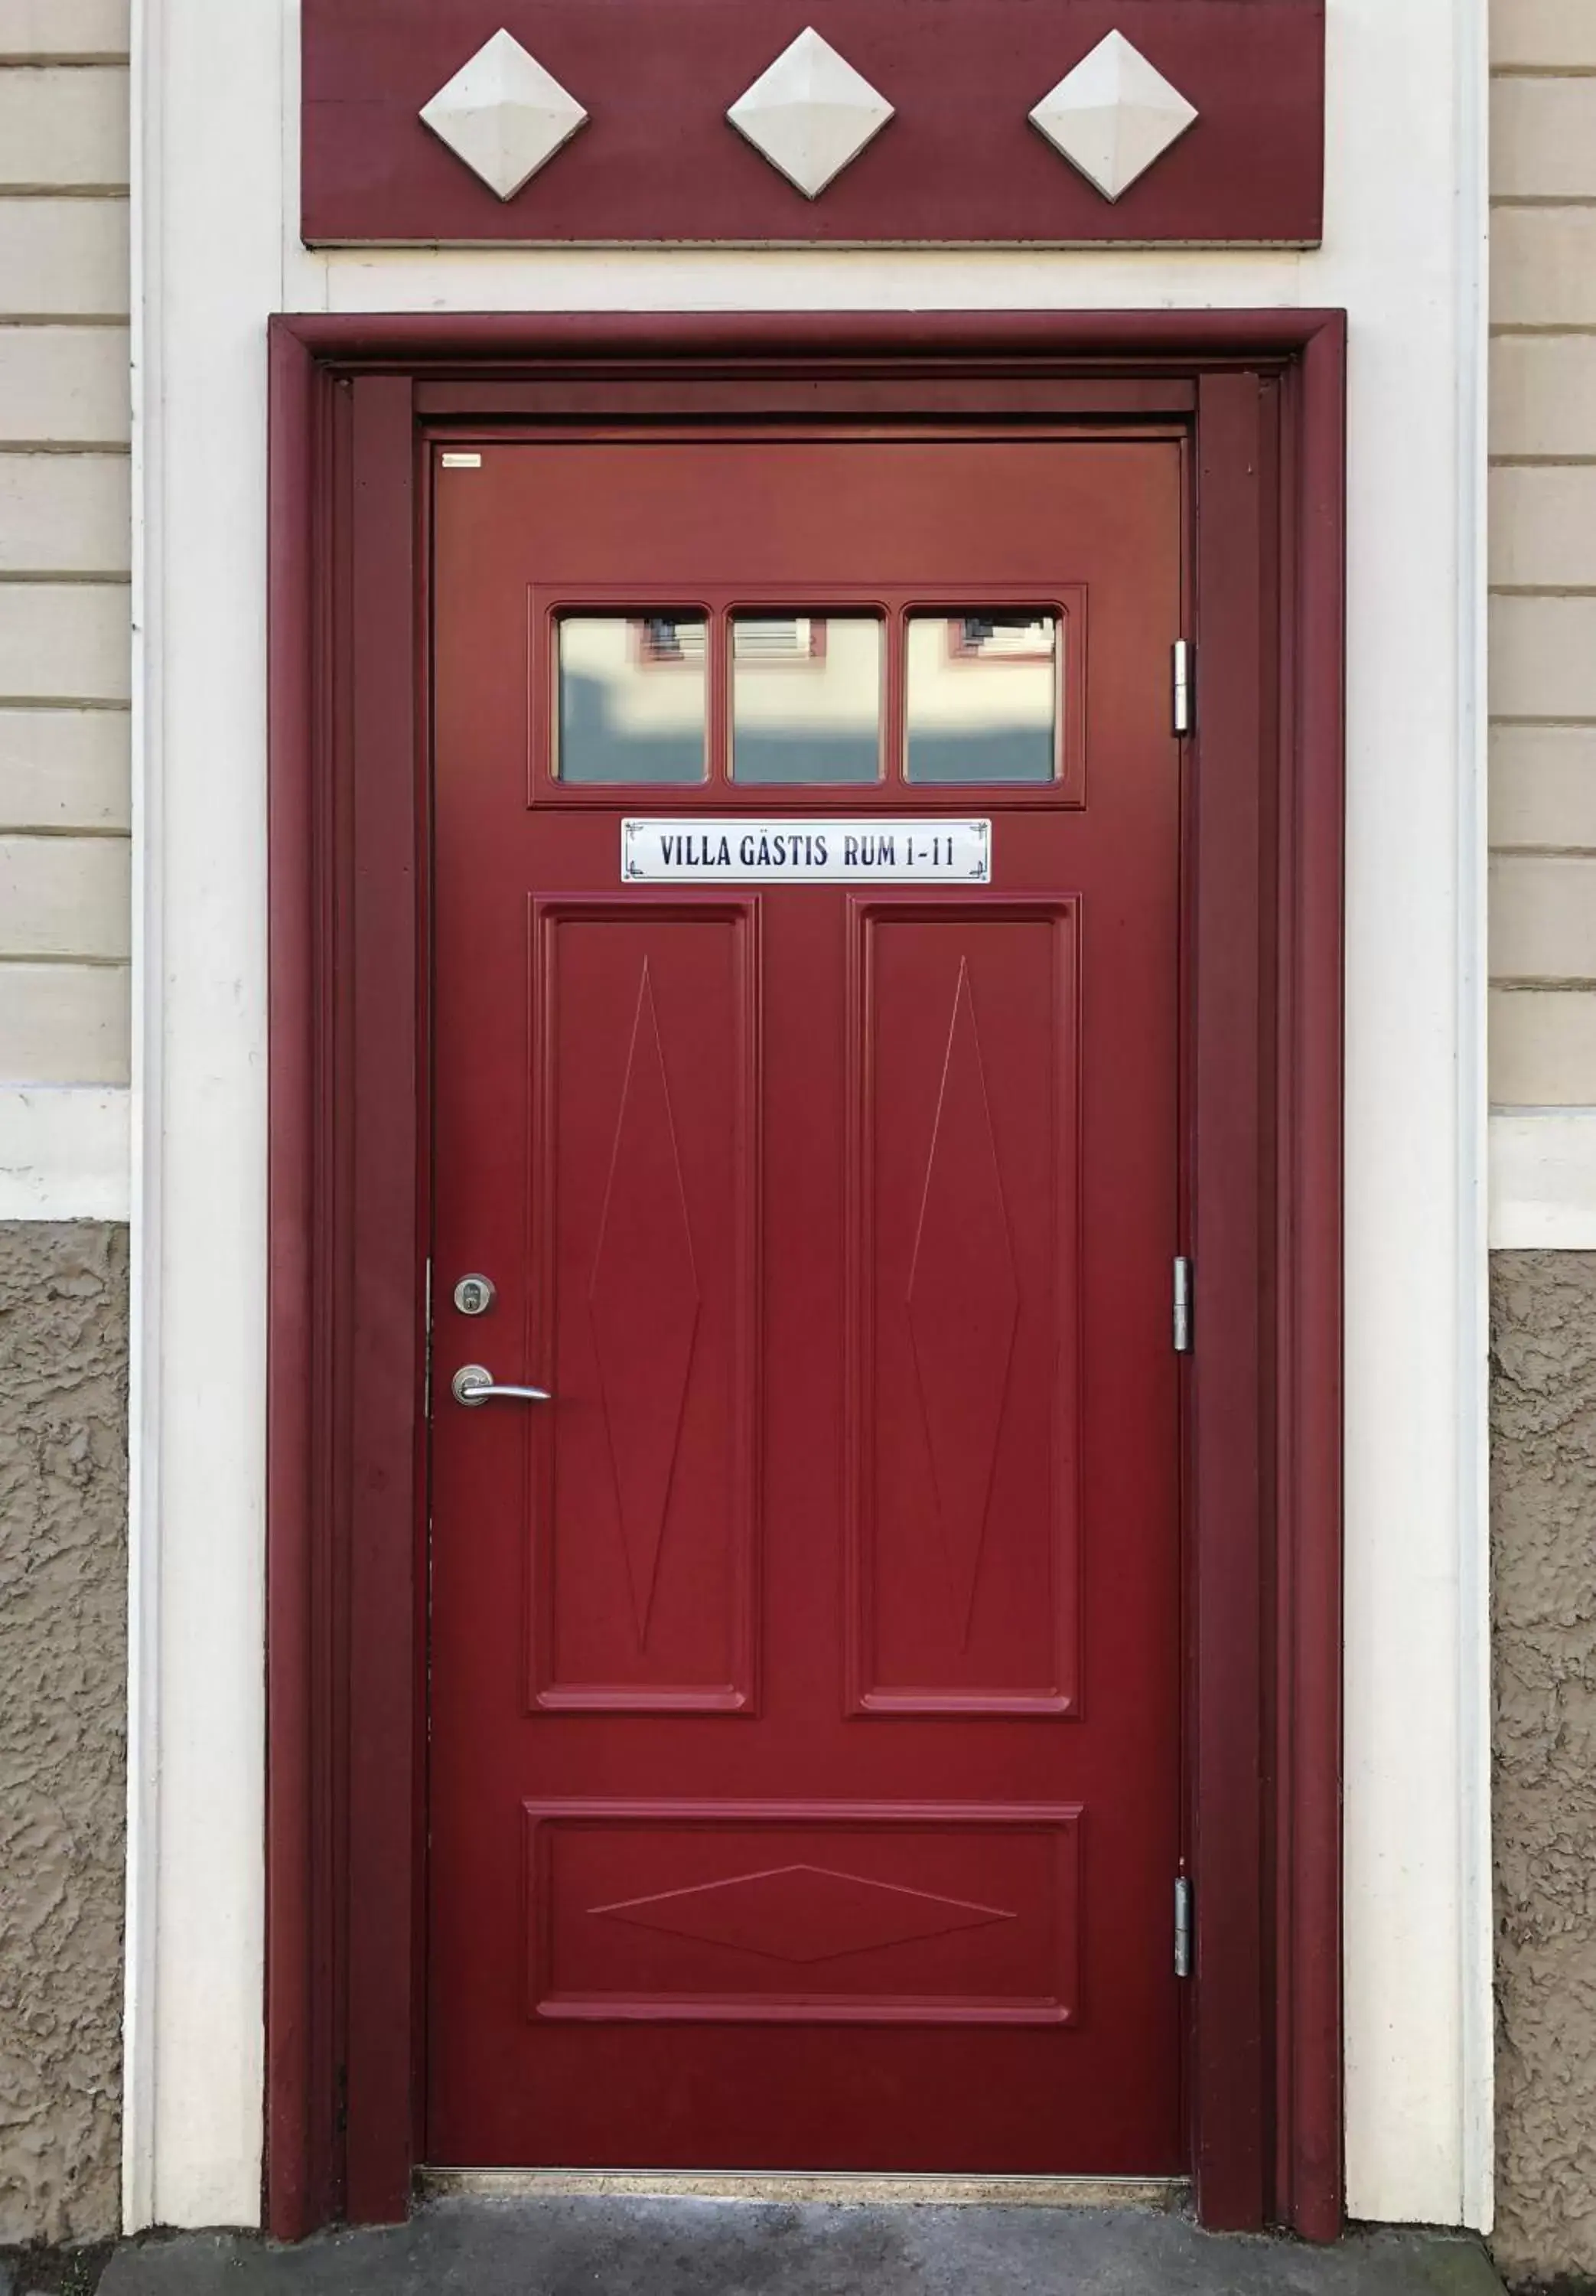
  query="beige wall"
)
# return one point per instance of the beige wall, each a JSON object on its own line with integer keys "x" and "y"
{"x": 63, "y": 1574}
{"x": 64, "y": 541}
{"x": 1543, "y": 553}
{"x": 1542, "y": 920}
{"x": 1543, "y": 1782}
{"x": 64, "y": 654}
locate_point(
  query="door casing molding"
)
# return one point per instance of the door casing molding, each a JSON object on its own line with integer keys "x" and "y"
{"x": 353, "y": 399}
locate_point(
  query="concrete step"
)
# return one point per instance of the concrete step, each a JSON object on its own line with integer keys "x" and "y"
{"x": 680, "y": 2247}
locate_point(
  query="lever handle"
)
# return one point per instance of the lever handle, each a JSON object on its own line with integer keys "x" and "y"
{"x": 474, "y": 1383}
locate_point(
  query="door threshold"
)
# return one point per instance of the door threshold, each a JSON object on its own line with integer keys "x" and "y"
{"x": 853, "y": 2189}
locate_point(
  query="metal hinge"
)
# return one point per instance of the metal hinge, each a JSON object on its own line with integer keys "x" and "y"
{"x": 427, "y": 1347}
{"x": 1185, "y": 685}
{"x": 1183, "y": 1925}
{"x": 1182, "y": 1307}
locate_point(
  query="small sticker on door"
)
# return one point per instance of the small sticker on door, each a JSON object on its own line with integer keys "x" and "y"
{"x": 872, "y": 851}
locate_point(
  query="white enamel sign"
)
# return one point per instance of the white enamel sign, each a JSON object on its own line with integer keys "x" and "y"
{"x": 877, "y": 850}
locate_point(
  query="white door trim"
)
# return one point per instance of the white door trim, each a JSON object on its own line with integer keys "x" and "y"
{"x": 217, "y": 249}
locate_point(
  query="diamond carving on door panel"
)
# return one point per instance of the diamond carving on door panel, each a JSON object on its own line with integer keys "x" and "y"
{"x": 803, "y": 1914}
{"x": 963, "y": 1304}
{"x": 644, "y": 1303}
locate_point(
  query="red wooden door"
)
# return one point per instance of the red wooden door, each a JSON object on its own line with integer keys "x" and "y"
{"x": 804, "y": 1749}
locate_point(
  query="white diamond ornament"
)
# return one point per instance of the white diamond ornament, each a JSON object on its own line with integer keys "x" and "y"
{"x": 1113, "y": 115}
{"x": 810, "y": 113}
{"x": 503, "y": 115}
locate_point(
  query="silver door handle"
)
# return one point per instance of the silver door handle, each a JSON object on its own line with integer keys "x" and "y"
{"x": 474, "y": 1383}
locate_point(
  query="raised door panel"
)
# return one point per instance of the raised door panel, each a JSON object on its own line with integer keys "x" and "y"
{"x": 964, "y": 1405}
{"x": 643, "y": 1224}
{"x": 827, "y": 1914}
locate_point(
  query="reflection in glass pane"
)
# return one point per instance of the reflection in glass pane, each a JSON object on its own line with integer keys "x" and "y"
{"x": 632, "y": 698}
{"x": 983, "y": 697}
{"x": 806, "y": 698}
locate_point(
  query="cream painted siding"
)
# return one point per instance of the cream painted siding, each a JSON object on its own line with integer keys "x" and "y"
{"x": 1540, "y": 34}
{"x": 1543, "y": 530}
{"x": 76, "y": 31}
{"x": 64, "y": 541}
{"x": 64, "y": 127}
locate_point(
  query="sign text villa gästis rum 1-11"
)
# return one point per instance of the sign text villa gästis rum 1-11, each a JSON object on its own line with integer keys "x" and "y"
{"x": 873, "y": 851}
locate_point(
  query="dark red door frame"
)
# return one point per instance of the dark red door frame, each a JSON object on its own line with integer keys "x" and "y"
{"x": 352, "y": 400}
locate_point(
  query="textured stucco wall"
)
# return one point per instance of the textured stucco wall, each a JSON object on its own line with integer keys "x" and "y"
{"x": 1544, "y": 1539}
{"x": 63, "y": 1420}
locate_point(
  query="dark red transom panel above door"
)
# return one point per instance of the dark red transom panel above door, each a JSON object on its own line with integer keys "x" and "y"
{"x": 941, "y": 121}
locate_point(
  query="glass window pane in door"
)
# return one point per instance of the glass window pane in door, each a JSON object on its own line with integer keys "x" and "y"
{"x": 806, "y": 698}
{"x": 632, "y": 696}
{"x": 982, "y": 704}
